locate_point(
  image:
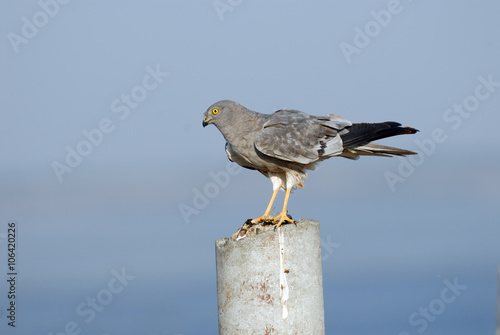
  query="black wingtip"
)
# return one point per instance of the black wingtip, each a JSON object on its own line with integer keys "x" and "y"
{"x": 362, "y": 133}
{"x": 410, "y": 130}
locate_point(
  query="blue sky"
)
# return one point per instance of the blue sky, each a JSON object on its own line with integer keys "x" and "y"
{"x": 124, "y": 84}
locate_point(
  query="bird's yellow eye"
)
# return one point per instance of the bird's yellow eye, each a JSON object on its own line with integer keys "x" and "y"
{"x": 215, "y": 111}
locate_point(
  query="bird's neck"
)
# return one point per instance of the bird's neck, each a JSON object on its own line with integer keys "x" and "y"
{"x": 247, "y": 123}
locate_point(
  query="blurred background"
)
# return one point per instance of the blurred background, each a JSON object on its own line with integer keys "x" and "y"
{"x": 108, "y": 173}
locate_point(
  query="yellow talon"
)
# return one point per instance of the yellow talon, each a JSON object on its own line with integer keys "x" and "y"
{"x": 267, "y": 216}
{"x": 282, "y": 217}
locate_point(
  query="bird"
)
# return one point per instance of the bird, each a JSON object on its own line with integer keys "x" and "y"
{"x": 284, "y": 145}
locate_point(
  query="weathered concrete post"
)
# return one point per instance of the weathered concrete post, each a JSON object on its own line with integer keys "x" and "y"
{"x": 270, "y": 282}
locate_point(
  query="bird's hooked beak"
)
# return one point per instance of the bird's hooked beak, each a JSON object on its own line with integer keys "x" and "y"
{"x": 206, "y": 121}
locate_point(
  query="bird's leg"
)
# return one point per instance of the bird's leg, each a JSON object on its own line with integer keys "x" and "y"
{"x": 283, "y": 216}
{"x": 268, "y": 210}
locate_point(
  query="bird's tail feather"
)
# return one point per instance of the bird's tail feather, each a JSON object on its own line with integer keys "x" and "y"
{"x": 374, "y": 149}
{"x": 357, "y": 140}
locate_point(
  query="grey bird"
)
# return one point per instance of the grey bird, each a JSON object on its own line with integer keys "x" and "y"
{"x": 286, "y": 143}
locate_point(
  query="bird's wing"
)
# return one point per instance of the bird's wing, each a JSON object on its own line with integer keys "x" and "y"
{"x": 298, "y": 137}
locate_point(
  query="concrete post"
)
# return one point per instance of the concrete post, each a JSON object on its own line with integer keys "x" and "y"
{"x": 270, "y": 282}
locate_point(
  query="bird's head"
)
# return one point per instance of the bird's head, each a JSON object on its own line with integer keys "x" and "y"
{"x": 220, "y": 113}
